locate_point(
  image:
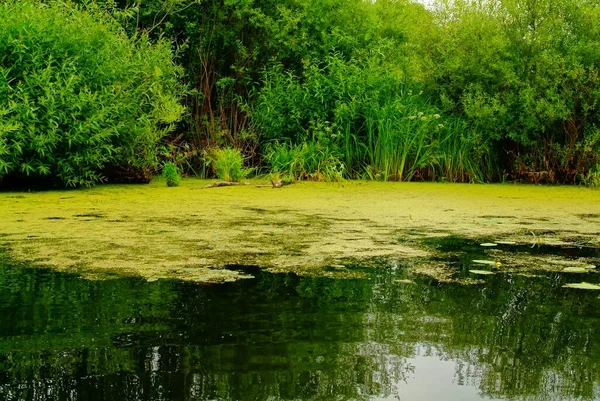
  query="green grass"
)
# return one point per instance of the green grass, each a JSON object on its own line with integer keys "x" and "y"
{"x": 228, "y": 164}
{"x": 306, "y": 161}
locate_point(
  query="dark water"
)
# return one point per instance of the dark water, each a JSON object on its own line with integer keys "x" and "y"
{"x": 282, "y": 337}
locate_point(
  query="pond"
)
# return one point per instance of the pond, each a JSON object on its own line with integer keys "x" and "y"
{"x": 377, "y": 336}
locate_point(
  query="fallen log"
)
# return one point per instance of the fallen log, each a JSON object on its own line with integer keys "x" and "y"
{"x": 224, "y": 184}
{"x": 274, "y": 184}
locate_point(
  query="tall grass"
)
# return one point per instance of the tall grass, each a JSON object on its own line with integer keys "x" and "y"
{"x": 228, "y": 164}
{"x": 397, "y": 144}
{"x": 461, "y": 155}
{"x": 306, "y": 161}
{"x": 409, "y": 139}
{"x": 369, "y": 118}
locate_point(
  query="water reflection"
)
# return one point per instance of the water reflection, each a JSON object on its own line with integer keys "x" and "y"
{"x": 281, "y": 337}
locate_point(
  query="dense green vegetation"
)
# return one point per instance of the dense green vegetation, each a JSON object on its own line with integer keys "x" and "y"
{"x": 79, "y": 99}
{"x": 389, "y": 90}
{"x": 228, "y": 164}
{"x": 526, "y": 74}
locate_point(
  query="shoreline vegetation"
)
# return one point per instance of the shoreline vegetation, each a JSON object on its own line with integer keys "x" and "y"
{"x": 459, "y": 91}
{"x": 310, "y": 228}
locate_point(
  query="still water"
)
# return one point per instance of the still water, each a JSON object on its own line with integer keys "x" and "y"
{"x": 284, "y": 337}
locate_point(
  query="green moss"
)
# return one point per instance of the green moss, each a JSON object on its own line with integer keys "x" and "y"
{"x": 192, "y": 233}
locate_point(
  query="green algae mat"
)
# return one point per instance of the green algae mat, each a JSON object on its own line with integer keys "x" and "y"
{"x": 192, "y": 233}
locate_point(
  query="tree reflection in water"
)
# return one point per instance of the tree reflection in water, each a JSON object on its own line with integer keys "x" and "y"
{"x": 283, "y": 337}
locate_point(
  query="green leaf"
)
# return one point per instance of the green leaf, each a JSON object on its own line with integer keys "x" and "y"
{"x": 485, "y": 262}
{"x": 482, "y": 272}
{"x": 582, "y": 286}
{"x": 27, "y": 168}
{"x": 575, "y": 269}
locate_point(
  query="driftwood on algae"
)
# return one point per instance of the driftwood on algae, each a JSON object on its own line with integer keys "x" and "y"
{"x": 274, "y": 184}
{"x": 224, "y": 184}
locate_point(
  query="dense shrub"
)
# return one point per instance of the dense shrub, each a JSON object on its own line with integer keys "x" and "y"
{"x": 79, "y": 100}
{"x": 227, "y": 44}
{"x": 515, "y": 85}
{"x": 526, "y": 73}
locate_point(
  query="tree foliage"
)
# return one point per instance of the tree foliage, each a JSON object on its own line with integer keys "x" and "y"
{"x": 79, "y": 99}
{"x": 526, "y": 73}
{"x": 515, "y": 83}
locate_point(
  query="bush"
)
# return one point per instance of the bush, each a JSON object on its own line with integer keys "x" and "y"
{"x": 79, "y": 100}
{"x": 228, "y": 164}
{"x": 171, "y": 174}
{"x": 527, "y": 77}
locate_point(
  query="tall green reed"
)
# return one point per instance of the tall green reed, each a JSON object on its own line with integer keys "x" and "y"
{"x": 371, "y": 119}
{"x": 306, "y": 161}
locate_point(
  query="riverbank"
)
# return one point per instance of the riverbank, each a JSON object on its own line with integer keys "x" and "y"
{"x": 191, "y": 233}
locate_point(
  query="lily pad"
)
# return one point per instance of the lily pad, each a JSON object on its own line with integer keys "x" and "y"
{"x": 562, "y": 262}
{"x": 489, "y": 244}
{"x": 404, "y": 281}
{"x": 582, "y": 286}
{"x": 485, "y": 262}
{"x": 528, "y": 275}
{"x": 482, "y": 272}
{"x": 575, "y": 269}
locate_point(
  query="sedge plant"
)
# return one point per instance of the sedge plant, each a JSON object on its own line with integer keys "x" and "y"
{"x": 228, "y": 164}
